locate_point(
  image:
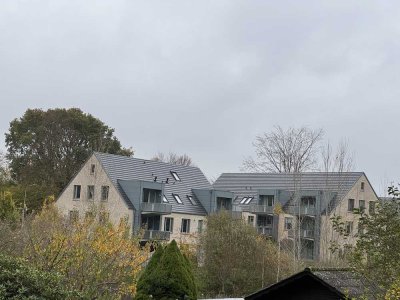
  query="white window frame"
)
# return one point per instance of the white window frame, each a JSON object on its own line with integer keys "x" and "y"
{"x": 76, "y": 188}
{"x": 175, "y": 176}
{"x": 187, "y": 227}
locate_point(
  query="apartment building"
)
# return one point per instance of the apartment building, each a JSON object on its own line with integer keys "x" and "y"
{"x": 167, "y": 201}
{"x": 296, "y": 209}
{"x": 170, "y": 201}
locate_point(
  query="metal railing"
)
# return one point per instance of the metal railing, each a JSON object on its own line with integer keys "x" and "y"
{"x": 303, "y": 210}
{"x": 307, "y": 233}
{"x": 156, "y": 235}
{"x": 264, "y": 230}
{"x": 161, "y": 208}
{"x": 259, "y": 209}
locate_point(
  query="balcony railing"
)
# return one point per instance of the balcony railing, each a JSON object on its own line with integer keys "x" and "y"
{"x": 160, "y": 208}
{"x": 307, "y": 233}
{"x": 260, "y": 209}
{"x": 264, "y": 230}
{"x": 304, "y": 210}
{"x": 156, "y": 235}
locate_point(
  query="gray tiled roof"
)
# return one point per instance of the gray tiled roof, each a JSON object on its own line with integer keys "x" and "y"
{"x": 348, "y": 282}
{"x": 131, "y": 168}
{"x": 248, "y": 184}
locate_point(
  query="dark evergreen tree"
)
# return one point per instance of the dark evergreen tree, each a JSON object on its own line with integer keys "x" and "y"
{"x": 172, "y": 278}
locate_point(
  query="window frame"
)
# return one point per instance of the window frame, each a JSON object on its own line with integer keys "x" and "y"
{"x": 92, "y": 169}
{"x": 73, "y": 216}
{"x": 103, "y": 188}
{"x": 187, "y": 226}
{"x": 191, "y": 200}
{"x": 88, "y": 192}
{"x": 288, "y": 223}
{"x": 348, "y": 204}
{"x": 171, "y": 224}
{"x": 77, "y": 192}
{"x": 200, "y": 226}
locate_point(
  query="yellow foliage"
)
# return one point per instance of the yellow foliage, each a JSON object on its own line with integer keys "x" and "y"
{"x": 97, "y": 259}
{"x": 394, "y": 292}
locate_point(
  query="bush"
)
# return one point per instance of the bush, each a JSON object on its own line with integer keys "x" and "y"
{"x": 20, "y": 281}
{"x": 167, "y": 276}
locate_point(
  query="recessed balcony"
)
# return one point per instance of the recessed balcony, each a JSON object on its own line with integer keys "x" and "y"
{"x": 159, "y": 208}
{"x": 264, "y": 230}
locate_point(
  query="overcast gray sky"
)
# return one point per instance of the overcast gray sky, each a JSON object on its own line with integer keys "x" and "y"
{"x": 205, "y": 77}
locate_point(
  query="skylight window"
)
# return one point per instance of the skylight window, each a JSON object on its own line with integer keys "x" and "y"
{"x": 164, "y": 199}
{"x": 177, "y": 198}
{"x": 243, "y": 200}
{"x": 175, "y": 175}
{"x": 248, "y": 200}
{"x": 191, "y": 199}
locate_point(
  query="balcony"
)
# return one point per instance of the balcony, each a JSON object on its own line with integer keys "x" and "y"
{"x": 264, "y": 230}
{"x": 159, "y": 208}
{"x": 261, "y": 209}
{"x": 304, "y": 210}
{"x": 307, "y": 233}
{"x": 156, "y": 235}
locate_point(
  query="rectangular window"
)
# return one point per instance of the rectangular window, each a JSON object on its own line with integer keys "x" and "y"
{"x": 250, "y": 220}
{"x": 308, "y": 201}
{"x": 243, "y": 200}
{"x": 185, "y": 226}
{"x": 151, "y": 222}
{"x": 175, "y": 175}
{"x": 349, "y": 227}
{"x": 266, "y": 200}
{"x": 92, "y": 168}
{"x": 177, "y": 198}
{"x": 288, "y": 223}
{"x": 224, "y": 203}
{"x": 104, "y": 192}
{"x": 191, "y": 200}
{"x": 90, "y": 192}
{"x": 200, "y": 226}
{"x": 73, "y": 216}
{"x": 265, "y": 221}
{"x": 371, "y": 207}
{"x": 168, "y": 224}
{"x": 77, "y": 191}
{"x": 362, "y": 186}
{"x": 361, "y": 205}
{"x": 151, "y": 196}
{"x": 350, "y": 206}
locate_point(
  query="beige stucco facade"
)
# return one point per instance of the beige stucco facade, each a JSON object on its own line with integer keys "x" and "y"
{"x": 114, "y": 205}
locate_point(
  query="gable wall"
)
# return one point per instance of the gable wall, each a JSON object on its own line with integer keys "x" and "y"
{"x": 327, "y": 232}
{"x": 115, "y": 204}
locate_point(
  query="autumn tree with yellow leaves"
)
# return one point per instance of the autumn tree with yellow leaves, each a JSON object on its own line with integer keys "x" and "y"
{"x": 101, "y": 261}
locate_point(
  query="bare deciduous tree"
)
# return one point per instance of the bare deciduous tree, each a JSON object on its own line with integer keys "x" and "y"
{"x": 174, "y": 158}
{"x": 340, "y": 161}
{"x": 291, "y": 150}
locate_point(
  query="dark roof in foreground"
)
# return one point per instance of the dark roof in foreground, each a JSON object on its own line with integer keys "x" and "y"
{"x": 130, "y": 168}
{"x": 343, "y": 283}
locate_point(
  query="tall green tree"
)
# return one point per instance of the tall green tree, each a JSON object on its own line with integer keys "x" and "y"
{"x": 48, "y": 147}
{"x": 168, "y": 276}
{"x": 376, "y": 254}
{"x": 237, "y": 260}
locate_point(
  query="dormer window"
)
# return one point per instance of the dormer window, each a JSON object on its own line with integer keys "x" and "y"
{"x": 191, "y": 200}
{"x": 164, "y": 199}
{"x": 175, "y": 175}
{"x": 177, "y": 198}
